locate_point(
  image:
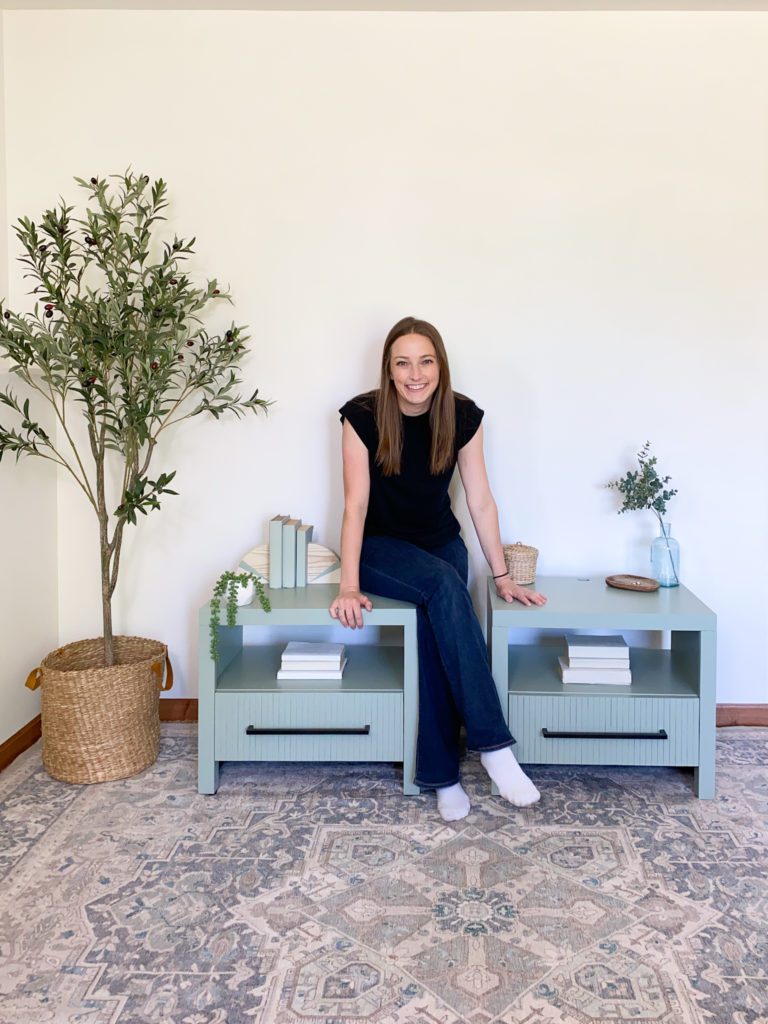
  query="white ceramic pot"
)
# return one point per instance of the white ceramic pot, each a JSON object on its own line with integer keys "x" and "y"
{"x": 246, "y": 593}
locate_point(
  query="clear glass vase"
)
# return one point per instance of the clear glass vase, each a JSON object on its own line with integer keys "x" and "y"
{"x": 665, "y": 557}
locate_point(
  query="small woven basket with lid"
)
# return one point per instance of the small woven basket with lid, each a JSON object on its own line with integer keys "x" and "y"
{"x": 521, "y": 562}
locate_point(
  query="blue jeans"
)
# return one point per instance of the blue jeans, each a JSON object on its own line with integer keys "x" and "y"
{"x": 455, "y": 681}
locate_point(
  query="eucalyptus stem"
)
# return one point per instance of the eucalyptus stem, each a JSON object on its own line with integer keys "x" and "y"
{"x": 645, "y": 489}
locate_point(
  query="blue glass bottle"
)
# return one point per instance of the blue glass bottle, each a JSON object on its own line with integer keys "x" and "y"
{"x": 665, "y": 557}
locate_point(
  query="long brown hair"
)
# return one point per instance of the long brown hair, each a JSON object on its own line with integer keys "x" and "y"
{"x": 442, "y": 412}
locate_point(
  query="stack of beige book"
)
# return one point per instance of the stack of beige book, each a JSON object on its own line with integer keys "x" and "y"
{"x": 596, "y": 660}
{"x": 312, "y": 661}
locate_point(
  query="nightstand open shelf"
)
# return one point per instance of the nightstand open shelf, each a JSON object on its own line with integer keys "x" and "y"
{"x": 533, "y": 668}
{"x": 370, "y": 669}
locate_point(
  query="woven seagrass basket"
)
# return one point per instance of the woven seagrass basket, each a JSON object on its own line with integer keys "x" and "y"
{"x": 521, "y": 562}
{"x": 101, "y": 724}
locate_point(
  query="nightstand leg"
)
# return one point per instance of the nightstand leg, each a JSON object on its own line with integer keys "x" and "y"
{"x": 208, "y": 777}
{"x": 410, "y": 706}
{"x": 704, "y": 774}
{"x": 499, "y": 651}
{"x": 207, "y": 767}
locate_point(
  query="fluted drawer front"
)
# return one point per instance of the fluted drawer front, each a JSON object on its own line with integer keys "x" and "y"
{"x": 673, "y": 722}
{"x": 335, "y": 725}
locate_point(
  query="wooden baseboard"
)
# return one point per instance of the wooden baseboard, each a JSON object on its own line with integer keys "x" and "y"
{"x": 741, "y": 714}
{"x": 184, "y": 709}
{"x": 178, "y": 709}
{"x": 20, "y": 741}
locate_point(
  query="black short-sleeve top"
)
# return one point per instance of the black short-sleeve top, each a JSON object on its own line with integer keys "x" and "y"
{"x": 414, "y": 505}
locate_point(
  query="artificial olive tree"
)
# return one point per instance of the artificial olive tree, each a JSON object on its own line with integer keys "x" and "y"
{"x": 116, "y": 340}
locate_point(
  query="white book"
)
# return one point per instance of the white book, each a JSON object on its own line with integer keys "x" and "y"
{"x": 276, "y": 550}
{"x": 297, "y": 649}
{"x": 595, "y": 676}
{"x": 598, "y": 662}
{"x": 308, "y": 664}
{"x": 301, "y": 673}
{"x": 289, "y": 551}
{"x": 596, "y": 646}
{"x": 303, "y": 684}
{"x": 303, "y": 537}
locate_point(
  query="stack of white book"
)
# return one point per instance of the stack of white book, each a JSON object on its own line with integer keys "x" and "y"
{"x": 596, "y": 659}
{"x": 312, "y": 661}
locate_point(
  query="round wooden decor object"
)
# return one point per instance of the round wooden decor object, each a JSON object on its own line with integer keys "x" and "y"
{"x": 642, "y": 583}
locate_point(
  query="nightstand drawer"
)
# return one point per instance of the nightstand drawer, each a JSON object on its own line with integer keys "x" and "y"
{"x": 308, "y": 726}
{"x": 586, "y": 729}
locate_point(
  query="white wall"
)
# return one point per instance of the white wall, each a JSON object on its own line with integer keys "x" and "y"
{"x": 577, "y": 200}
{"x": 28, "y": 591}
{"x": 3, "y": 210}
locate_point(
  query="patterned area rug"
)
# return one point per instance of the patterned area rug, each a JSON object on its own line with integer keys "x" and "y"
{"x": 320, "y": 894}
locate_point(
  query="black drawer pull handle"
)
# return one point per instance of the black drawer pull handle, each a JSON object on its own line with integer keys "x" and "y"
{"x": 660, "y": 735}
{"x": 363, "y": 730}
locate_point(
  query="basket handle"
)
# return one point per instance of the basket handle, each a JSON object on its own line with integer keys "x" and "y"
{"x": 157, "y": 668}
{"x": 33, "y": 679}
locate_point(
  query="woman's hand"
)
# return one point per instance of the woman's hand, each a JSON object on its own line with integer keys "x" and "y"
{"x": 348, "y": 608}
{"x": 509, "y": 592}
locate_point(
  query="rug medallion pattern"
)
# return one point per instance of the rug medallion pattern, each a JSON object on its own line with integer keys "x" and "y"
{"x": 319, "y": 894}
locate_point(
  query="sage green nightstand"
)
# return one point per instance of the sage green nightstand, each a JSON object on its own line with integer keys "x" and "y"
{"x": 246, "y": 715}
{"x": 666, "y": 716}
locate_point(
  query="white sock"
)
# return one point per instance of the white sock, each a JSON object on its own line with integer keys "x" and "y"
{"x": 514, "y": 785}
{"x": 452, "y": 803}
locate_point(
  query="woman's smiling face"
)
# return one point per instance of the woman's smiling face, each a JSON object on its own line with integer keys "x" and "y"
{"x": 415, "y": 373}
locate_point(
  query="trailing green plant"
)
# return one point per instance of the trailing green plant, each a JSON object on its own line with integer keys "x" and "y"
{"x": 227, "y": 585}
{"x": 115, "y": 341}
{"x": 645, "y": 489}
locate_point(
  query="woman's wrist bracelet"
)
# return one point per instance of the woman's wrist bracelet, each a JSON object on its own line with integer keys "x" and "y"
{"x": 500, "y": 575}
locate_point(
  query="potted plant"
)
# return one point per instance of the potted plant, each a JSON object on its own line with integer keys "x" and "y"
{"x": 115, "y": 346}
{"x": 645, "y": 489}
{"x": 235, "y": 588}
